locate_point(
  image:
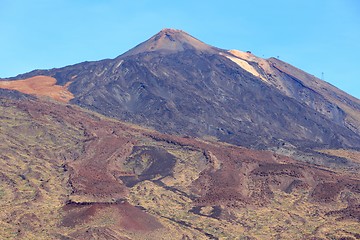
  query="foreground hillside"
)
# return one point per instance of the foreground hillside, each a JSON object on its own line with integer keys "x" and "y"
{"x": 72, "y": 174}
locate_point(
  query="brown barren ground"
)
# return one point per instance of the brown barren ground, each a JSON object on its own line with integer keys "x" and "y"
{"x": 40, "y": 86}
{"x": 348, "y": 154}
{"x": 85, "y": 176}
{"x": 124, "y": 216}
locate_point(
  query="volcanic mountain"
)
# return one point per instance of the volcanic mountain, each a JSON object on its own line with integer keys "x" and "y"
{"x": 259, "y": 149}
{"x": 177, "y": 84}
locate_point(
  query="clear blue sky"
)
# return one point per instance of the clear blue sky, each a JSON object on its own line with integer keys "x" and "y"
{"x": 314, "y": 35}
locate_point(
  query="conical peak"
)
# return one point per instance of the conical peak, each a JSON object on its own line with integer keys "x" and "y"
{"x": 170, "y": 40}
{"x": 168, "y": 32}
{"x": 172, "y": 35}
{"x": 171, "y": 31}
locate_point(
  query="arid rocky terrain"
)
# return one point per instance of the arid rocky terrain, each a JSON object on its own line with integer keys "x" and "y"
{"x": 176, "y": 139}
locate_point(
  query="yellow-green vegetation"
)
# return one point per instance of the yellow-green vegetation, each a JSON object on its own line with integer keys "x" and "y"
{"x": 32, "y": 179}
{"x": 288, "y": 216}
{"x": 351, "y": 155}
{"x": 34, "y": 186}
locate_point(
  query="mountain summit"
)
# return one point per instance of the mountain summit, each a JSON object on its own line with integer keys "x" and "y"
{"x": 177, "y": 84}
{"x": 169, "y": 41}
{"x": 259, "y": 149}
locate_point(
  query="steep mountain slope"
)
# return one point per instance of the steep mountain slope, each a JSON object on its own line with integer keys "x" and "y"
{"x": 306, "y": 88}
{"x": 70, "y": 174}
{"x": 178, "y": 84}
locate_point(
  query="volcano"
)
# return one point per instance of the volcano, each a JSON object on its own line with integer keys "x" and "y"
{"x": 178, "y": 139}
{"x": 177, "y": 84}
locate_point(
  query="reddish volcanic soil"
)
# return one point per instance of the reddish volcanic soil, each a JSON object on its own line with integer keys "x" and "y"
{"x": 243, "y": 175}
{"x": 97, "y": 233}
{"x": 41, "y": 86}
{"x": 91, "y": 174}
{"x": 249, "y": 177}
{"x": 123, "y": 214}
{"x": 233, "y": 176}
